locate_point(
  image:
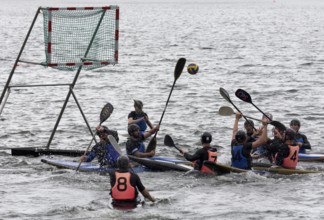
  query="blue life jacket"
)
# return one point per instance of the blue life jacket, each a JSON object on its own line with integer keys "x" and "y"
{"x": 301, "y": 149}
{"x": 141, "y": 147}
{"x": 142, "y": 125}
{"x": 238, "y": 159}
{"x": 111, "y": 155}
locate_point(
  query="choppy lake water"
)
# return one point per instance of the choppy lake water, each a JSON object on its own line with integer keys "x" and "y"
{"x": 273, "y": 49}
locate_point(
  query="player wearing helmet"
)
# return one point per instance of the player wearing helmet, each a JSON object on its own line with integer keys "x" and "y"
{"x": 103, "y": 150}
{"x": 139, "y": 117}
{"x": 285, "y": 153}
{"x": 241, "y": 146}
{"x": 301, "y": 139}
{"x": 135, "y": 145}
{"x": 205, "y": 153}
{"x": 125, "y": 186}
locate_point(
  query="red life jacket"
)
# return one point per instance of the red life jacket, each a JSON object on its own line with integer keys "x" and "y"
{"x": 212, "y": 156}
{"x": 123, "y": 190}
{"x": 290, "y": 162}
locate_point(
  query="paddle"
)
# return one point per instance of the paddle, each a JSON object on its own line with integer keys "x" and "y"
{"x": 104, "y": 115}
{"x": 278, "y": 125}
{"x": 244, "y": 96}
{"x": 177, "y": 72}
{"x": 169, "y": 142}
{"x": 225, "y": 95}
{"x": 227, "y": 111}
{"x": 115, "y": 144}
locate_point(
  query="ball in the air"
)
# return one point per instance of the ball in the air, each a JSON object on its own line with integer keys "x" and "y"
{"x": 193, "y": 68}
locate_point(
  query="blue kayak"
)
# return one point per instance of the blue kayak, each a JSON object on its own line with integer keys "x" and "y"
{"x": 85, "y": 167}
{"x": 311, "y": 157}
{"x": 156, "y": 163}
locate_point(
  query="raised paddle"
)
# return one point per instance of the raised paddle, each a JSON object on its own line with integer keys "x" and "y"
{"x": 227, "y": 111}
{"x": 244, "y": 96}
{"x": 278, "y": 125}
{"x": 104, "y": 115}
{"x": 177, "y": 72}
{"x": 169, "y": 142}
{"x": 225, "y": 95}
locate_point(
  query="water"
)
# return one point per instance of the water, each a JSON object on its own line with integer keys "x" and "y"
{"x": 271, "y": 48}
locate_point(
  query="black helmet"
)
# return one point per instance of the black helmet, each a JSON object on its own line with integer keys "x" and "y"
{"x": 248, "y": 122}
{"x": 290, "y": 134}
{"x": 138, "y": 104}
{"x": 105, "y": 130}
{"x": 295, "y": 122}
{"x": 123, "y": 162}
{"x": 132, "y": 128}
{"x": 206, "y": 138}
{"x": 240, "y": 136}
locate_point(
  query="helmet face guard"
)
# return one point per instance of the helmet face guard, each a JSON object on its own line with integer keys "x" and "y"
{"x": 295, "y": 122}
{"x": 132, "y": 128}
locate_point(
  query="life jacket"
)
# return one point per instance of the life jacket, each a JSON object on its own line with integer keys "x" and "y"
{"x": 111, "y": 155}
{"x": 212, "y": 156}
{"x": 123, "y": 190}
{"x": 141, "y": 124}
{"x": 238, "y": 159}
{"x": 290, "y": 162}
{"x": 301, "y": 150}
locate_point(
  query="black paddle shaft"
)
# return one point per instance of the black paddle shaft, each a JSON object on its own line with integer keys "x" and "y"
{"x": 177, "y": 72}
{"x": 225, "y": 95}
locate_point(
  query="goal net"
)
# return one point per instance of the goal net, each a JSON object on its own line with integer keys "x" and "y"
{"x": 85, "y": 36}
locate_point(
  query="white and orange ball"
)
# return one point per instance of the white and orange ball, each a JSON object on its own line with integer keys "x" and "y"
{"x": 193, "y": 68}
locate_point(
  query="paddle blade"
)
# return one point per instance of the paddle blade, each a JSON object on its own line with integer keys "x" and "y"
{"x": 225, "y": 94}
{"x": 243, "y": 95}
{"x": 106, "y": 112}
{"x": 225, "y": 111}
{"x": 278, "y": 125}
{"x": 168, "y": 141}
{"x": 115, "y": 144}
{"x": 179, "y": 68}
{"x": 152, "y": 145}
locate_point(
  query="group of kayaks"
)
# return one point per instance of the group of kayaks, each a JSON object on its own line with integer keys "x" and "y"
{"x": 159, "y": 163}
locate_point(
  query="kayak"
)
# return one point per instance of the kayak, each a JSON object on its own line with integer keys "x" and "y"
{"x": 156, "y": 164}
{"x": 280, "y": 170}
{"x": 224, "y": 169}
{"x": 220, "y": 169}
{"x": 85, "y": 167}
{"x": 143, "y": 164}
{"x": 311, "y": 157}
